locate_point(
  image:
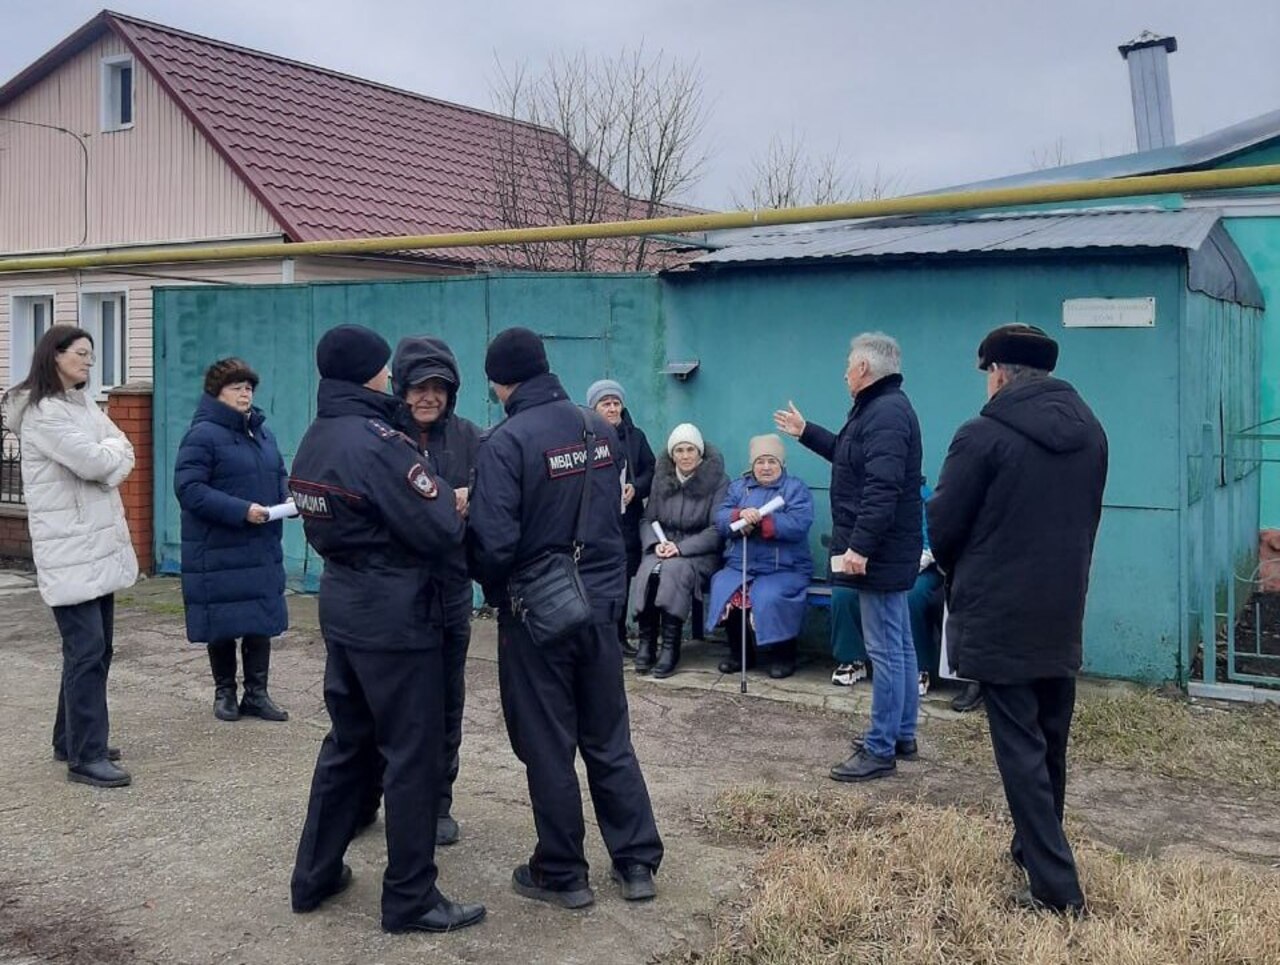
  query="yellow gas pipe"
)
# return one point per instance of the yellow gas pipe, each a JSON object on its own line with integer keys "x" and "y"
{"x": 1217, "y": 180}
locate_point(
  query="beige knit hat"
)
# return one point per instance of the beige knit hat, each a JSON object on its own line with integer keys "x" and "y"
{"x": 769, "y": 444}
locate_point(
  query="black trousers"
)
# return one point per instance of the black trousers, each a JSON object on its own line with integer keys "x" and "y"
{"x": 1030, "y": 724}
{"x": 81, "y": 725}
{"x": 458, "y": 608}
{"x": 388, "y": 706}
{"x": 560, "y": 700}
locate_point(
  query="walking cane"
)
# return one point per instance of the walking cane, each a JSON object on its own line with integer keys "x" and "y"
{"x": 743, "y": 685}
{"x": 738, "y": 526}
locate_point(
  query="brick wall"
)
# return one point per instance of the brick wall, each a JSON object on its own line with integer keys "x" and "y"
{"x": 129, "y": 407}
{"x": 15, "y": 540}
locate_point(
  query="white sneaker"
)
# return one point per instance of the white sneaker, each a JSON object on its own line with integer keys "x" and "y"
{"x": 848, "y": 674}
{"x": 924, "y": 684}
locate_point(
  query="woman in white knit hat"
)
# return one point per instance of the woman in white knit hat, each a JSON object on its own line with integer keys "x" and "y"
{"x": 688, "y": 487}
{"x": 779, "y": 564}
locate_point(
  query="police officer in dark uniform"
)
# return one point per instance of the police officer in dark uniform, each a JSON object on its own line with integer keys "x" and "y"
{"x": 568, "y": 696}
{"x": 381, "y": 521}
{"x": 425, "y": 374}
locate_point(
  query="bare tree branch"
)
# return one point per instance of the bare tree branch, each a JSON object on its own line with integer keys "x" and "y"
{"x": 621, "y": 141}
{"x": 785, "y": 176}
{"x": 1054, "y": 155}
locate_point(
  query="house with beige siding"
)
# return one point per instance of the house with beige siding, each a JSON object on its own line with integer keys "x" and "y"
{"x": 130, "y": 134}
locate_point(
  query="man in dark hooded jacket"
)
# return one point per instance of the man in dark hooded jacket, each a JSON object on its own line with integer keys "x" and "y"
{"x": 1012, "y": 525}
{"x": 424, "y": 373}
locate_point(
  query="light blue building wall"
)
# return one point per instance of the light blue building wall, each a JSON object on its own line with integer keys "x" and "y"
{"x": 765, "y": 335}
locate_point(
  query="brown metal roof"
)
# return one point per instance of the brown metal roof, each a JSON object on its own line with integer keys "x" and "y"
{"x": 329, "y": 155}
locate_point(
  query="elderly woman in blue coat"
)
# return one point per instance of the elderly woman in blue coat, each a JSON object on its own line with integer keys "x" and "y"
{"x": 779, "y": 565}
{"x": 229, "y": 471}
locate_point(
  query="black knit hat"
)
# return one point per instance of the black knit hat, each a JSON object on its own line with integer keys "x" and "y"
{"x": 226, "y": 372}
{"x": 351, "y": 353}
{"x": 1018, "y": 345}
{"x": 515, "y": 355}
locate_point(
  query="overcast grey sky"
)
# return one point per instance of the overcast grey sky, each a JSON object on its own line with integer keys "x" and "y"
{"x": 933, "y": 92}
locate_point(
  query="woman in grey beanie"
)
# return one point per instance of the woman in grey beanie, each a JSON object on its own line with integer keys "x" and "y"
{"x": 609, "y": 399}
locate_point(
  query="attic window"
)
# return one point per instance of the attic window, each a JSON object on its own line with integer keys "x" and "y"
{"x": 117, "y": 93}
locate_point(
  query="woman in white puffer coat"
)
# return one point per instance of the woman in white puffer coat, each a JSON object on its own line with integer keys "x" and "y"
{"x": 73, "y": 462}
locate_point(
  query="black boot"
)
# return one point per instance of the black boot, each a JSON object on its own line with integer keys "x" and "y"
{"x": 257, "y": 661}
{"x": 733, "y": 630}
{"x": 222, "y": 661}
{"x": 628, "y": 648}
{"x": 646, "y": 652}
{"x": 669, "y": 652}
{"x": 784, "y": 660}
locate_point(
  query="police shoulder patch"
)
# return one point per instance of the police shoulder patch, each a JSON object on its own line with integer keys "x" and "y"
{"x": 421, "y": 482}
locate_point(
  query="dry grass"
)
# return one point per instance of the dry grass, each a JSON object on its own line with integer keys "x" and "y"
{"x": 1154, "y": 734}
{"x": 849, "y": 880}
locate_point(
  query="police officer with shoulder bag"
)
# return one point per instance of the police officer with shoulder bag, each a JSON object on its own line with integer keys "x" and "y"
{"x": 535, "y": 539}
{"x": 381, "y": 522}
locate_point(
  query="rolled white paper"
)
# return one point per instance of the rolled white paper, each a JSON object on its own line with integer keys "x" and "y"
{"x": 657, "y": 531}
{"x": 772, "y": 506}
{"x": 281, "y": 511}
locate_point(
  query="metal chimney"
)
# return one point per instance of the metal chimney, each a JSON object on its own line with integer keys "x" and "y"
{"x": 1148, "y": 57}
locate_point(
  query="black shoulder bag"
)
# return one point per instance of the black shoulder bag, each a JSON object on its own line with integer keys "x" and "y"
{"x": 547, "y": 595}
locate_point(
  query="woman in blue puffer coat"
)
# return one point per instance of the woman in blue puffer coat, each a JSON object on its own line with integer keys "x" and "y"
{"x": 229, "y": 470}
{"x": 779, "y": 564}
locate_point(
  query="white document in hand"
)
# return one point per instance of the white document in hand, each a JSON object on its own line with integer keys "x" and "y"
{"x": 281, "y": 511}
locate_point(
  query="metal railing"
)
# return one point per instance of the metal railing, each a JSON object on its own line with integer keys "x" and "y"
{"x": 1239, "y": 641}
{"x": 10, "y": 465}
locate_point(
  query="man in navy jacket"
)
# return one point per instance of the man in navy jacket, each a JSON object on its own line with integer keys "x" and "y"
{"x": 565, "y": 697}
{"x": 877, "y": 524}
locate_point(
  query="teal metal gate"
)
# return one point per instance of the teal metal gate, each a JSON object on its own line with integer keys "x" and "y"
{"x": 1235, "y": 613}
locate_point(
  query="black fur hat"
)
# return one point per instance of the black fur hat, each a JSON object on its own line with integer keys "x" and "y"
{"x": 1018, "y": 345}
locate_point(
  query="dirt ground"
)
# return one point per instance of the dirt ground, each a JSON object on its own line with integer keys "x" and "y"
{"x": 191, "y": 863}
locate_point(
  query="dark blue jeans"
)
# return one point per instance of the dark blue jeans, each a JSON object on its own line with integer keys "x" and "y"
{"x": 81, "y": 726}
{"x": 895, "y": 697}
{"x": 924, "y": 602}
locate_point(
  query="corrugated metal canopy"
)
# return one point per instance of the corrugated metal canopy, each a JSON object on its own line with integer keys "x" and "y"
{"x": 1217, "y": 268}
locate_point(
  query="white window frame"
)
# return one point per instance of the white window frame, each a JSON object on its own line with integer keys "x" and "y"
{"x": 91, "y": 299}
{"x": 110, "y": 95}
{"x": 22, "y": 341}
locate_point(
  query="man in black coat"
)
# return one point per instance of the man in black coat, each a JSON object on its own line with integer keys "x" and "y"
{"x": 1012, "y": 523}
{"x": 565, "y": 697}
{"x": 382, "y": 522}
{"x": 877, "y": 532}
{"x": 424, "y": 373}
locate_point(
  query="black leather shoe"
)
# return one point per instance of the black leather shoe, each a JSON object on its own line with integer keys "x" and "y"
{"x": 340, "y": 885}
{"x": 259, "y": 704}
{"x": 577, "y": 895}
{"x": 783, "y": 664}
{"x": 1026, "y": 901}
{"x": 863, "y": 766}
{"x": 902, "y": 750}
{"x": 968, "y": 699}
{"x": 446, "y": 916}
{"x": 636, "y": 881}
{"x": 365, "y": 821}
{"x": 99, "y": 774}
{"x": 447, "y": 830}
{"x": 113, "y": 754}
